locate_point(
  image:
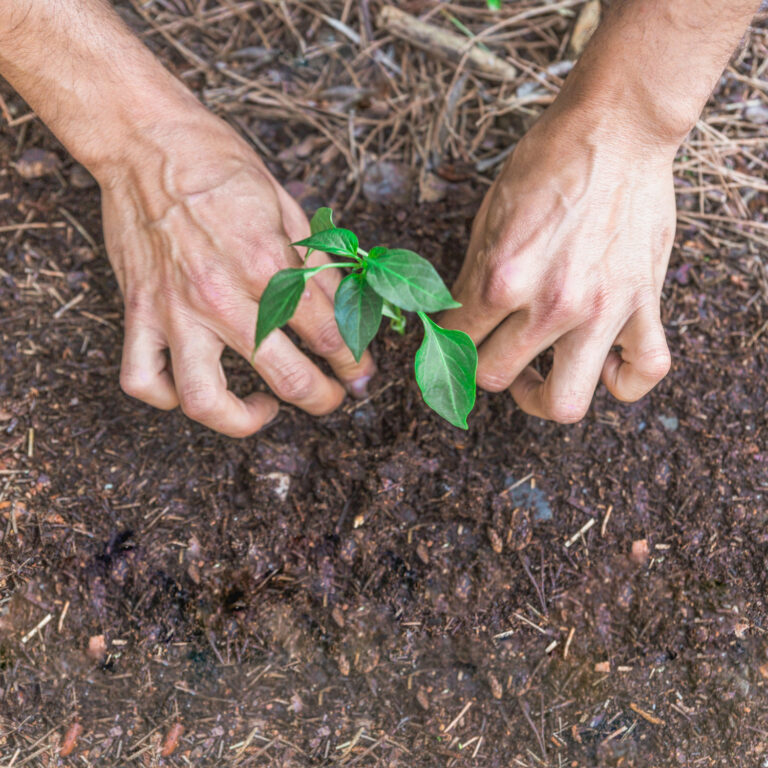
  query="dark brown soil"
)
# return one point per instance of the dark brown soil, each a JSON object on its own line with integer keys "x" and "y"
{"x": 421, "y": 596}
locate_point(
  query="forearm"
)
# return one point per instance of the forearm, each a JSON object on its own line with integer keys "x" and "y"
{"x": 83, "y": 72}
{"x": 652, "y": 64}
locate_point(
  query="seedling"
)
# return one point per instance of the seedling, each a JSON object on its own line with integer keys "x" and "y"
{"x": 382, "y": 282}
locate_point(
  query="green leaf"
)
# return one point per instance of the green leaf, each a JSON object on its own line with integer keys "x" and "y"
{"x": 446, "y": 370}
{"x": 279, "y": 301}
{"x": 395, "y": 315}
{"x": 321, "y": 221}
{"x": 408, "y": 281}
{"x": 494, "y": 5}
{"x": 340, "y": 242}
{"x": 358, "y": 312}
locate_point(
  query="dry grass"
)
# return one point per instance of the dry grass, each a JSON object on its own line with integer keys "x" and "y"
{"x": 343, "y": 87}
{"x": 327, "y": 77}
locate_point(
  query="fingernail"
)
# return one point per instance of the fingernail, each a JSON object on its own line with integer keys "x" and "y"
{"x": 359, "y": 387}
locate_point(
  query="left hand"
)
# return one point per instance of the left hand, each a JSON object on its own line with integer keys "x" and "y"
{"x": 569, "y": 250}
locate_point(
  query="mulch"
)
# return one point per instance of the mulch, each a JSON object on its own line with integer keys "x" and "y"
{"x": 375, "y": 588}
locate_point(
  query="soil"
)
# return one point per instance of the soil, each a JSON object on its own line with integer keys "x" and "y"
{"x": 375, "y": 588}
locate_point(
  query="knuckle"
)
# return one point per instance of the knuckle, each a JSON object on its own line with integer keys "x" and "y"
{"x": 599, "y": 302}
{"x": 238, "y": 433}
{"x": 212, "y": 293}
{"x": 492, "y": 381}
{"x": 632, "y": 391}
{"x": 327, "y": 340}
{"x": 504, "y": 285}
{"x": 568, "y": 409}
{"x": 263, "y": 268}
{"x": 199, "y": 401}
{"x": 556, "y": 306}
{"x": 294, "y": 383}
{"x": 136, "y": 304}
{"x": 133, "y": 383}
{"x": 655, "y": 363}
{"x": 565, "y": 305}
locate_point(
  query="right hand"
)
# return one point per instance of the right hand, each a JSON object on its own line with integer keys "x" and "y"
{"x": 195, "y": 226}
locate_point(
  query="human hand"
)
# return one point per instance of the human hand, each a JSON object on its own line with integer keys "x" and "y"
{"x": 569, "y": 250}
{"x": 195, "y": 225}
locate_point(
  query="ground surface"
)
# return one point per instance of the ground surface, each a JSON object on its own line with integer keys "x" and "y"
{"x": 375, "y": 588}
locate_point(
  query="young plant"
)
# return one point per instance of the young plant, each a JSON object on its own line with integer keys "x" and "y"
{"x": 382, "y": 282}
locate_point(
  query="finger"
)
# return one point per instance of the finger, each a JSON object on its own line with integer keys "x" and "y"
{"x": 566, "y": 393}
{"x": 296, "y": 226}
{"x": 644, "y": 358}
{"x": 288, "y": 372}
{"x": 202, "y": 387}
{"x": 490, "y": 286}
{"x": 508, "y": 350}
{"x": 144, "y": 370}
{"x": 316, "y": 323}
{"x": 469, "y": 285}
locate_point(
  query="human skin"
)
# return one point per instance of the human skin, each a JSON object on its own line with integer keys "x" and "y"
{"x": 194, "y": 223}
{"x": 571, "y": 243}
{"x": 569, "y": 248}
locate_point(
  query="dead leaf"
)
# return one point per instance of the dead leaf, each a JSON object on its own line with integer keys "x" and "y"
{"x": 584, "y": 28}
{"x": 432, "y": 188}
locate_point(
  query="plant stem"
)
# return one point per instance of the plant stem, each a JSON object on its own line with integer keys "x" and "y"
{"x": 331, "y": 265}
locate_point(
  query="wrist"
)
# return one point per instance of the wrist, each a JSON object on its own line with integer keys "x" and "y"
{"x": 138, "y": 130}
{"x": 622, "y": 104}
{"x": 172, "y": 152}
{"x": 95, "y": 85}
{"x": 141, "y": 108}
{"x": 583, "y": 122}
{"x": 651, "y": 65}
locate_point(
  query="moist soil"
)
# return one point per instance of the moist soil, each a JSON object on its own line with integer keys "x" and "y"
{"x": 375, "y": 587}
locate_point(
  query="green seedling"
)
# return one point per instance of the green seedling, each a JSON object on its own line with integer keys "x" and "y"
{"x": 382, "y": 282}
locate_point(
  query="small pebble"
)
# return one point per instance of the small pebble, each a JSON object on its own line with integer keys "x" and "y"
{"x": 670, "y": 423}
{"x": 757, "y": 114}
{"x": 387, "y": 182}
{"x": 70, "y": 739}
{"x": 80, "y": 178}
{"x": 432, "y": 188}
{"x": 281, "y": 483}
{"x": 640, "y": 552}
{"x": 497, "y": 545}
{"x": 97, "y": 648}
{"x": 171, "y": 740}
{"x": 35, "y": 163}
{"x": 495, "y": 685}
